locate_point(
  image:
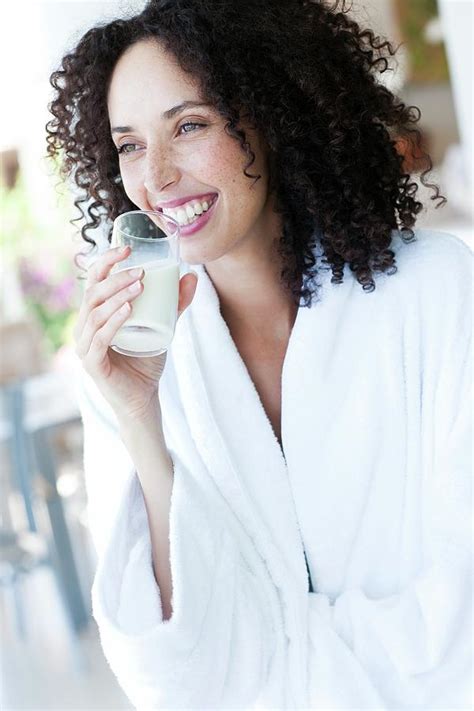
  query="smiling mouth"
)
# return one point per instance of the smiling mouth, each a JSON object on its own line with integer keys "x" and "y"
{"x": 198, "y": 222}
{"x": 181, "y": 214}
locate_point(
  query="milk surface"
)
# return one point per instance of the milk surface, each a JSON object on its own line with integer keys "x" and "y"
{"x": 150, "y": 327}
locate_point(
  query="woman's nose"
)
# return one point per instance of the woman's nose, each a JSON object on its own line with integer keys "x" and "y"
{"x": 160, "y": 171}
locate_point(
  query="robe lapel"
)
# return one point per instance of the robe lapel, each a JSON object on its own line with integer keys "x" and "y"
{"x": 231, "y": 429}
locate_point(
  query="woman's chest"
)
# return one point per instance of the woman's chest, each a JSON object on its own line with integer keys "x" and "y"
{"x": 264, "y": 366}
{"x": 267, "y": 381}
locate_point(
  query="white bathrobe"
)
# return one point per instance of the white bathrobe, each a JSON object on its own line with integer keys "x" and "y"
{"x": 373, "y": 487}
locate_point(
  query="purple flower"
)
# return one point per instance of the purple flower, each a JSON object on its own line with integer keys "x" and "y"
{"x": 61, "y": 295}
{"x": 41, "y": 286}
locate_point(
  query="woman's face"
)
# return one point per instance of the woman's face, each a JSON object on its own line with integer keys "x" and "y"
{"x": 184, "y": 155}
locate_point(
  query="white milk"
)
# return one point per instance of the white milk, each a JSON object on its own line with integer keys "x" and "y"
{"x": 150, "y": 327}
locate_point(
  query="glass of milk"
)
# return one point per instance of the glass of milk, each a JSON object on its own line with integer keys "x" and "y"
{"x": 154, "y": 241}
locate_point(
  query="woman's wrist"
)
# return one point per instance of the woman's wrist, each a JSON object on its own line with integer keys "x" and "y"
{"x": 148, "y": 418}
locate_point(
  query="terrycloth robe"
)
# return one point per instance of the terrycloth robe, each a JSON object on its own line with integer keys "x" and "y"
{"x": 372, "y": 488}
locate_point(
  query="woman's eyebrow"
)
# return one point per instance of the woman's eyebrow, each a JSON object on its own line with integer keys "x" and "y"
{"x": 168, "y": 114}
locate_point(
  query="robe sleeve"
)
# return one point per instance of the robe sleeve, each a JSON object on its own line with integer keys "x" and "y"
{"x": 413, "y": 649}
{"x": 215, "y": 649}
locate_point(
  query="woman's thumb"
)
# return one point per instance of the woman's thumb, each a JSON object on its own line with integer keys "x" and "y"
{"x": 187, "y": 289}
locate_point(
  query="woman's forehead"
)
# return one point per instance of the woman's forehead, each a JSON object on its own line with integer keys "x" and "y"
{"x": 147, "y": 72}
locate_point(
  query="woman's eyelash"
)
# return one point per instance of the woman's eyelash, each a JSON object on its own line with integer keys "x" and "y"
{"x": 190, "y": 123}
{"x": 121, "y": 149}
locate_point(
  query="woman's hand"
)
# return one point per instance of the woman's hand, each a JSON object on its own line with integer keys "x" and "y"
{"x": 129, "y": 384}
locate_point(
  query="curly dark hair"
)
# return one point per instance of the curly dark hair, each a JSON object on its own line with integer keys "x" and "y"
{"x": 304, "y": 74}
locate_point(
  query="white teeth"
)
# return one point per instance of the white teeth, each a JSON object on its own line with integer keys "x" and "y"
{"x": 181, "y": 215}
{"x": 186, "y": 213}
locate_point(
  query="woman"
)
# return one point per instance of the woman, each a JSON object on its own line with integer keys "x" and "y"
{"x": 280, "y": 502}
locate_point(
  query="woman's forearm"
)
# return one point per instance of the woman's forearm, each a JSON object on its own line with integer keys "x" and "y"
{"x": 144, "y": 440}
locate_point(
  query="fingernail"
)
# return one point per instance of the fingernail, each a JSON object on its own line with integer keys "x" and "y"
{"x": 122, "y": 250}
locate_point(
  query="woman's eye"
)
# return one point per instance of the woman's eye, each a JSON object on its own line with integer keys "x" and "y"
{"x": 188, "y": 127}
{"x": 124, "y": 148}
{"x": 190, "y": 123}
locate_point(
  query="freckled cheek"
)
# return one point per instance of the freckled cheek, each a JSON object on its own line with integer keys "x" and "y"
{"x": 212, "y": 166}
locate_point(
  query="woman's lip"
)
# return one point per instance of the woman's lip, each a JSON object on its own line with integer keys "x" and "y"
{"x": 187, "y": 230}
{"x": 182, "y": 201}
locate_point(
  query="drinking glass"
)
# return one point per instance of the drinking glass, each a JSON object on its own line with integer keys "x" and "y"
{"x": 154, "y": 241}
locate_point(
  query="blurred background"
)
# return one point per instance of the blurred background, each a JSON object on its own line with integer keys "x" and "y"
{"x": 50, "y": 656}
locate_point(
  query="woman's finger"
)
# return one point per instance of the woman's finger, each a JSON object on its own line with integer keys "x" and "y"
{"x": 100, "y": 269}
{"x": 98, "y": 351}
{"x": 99, "y": 293}
{"x": 101, "y": 314}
